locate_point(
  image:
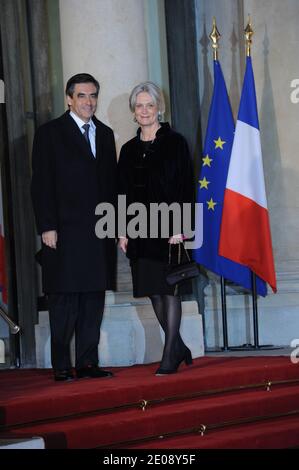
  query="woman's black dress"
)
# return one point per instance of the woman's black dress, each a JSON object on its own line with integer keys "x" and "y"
{"x": 158, "y": 171}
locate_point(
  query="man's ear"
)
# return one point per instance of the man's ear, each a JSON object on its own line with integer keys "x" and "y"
{"x": 69, "y": 100}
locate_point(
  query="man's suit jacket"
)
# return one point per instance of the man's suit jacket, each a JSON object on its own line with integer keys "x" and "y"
{"x": 67, "y": 184}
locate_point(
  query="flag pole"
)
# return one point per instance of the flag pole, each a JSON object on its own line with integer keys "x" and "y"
{"x": 255, "y": 312}
{"x": 256, "y": 344}
{"x": 214, "y": 37}
{"x": 224, "y": 314}
{"x": 248, "y": 32}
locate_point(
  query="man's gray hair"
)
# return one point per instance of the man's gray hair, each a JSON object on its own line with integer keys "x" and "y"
{"x": 153, "y": 90}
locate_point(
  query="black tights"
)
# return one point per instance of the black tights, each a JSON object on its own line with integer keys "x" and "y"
{"x": 168, "y": 310}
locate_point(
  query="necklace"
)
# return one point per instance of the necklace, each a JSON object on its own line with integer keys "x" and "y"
{"x": 146, "y": 146}
{"x": 147, "y": 140}
{"x": 151, "y": 140}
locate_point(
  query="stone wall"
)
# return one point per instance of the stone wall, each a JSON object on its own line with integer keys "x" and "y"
{"x": 107, "y": 39}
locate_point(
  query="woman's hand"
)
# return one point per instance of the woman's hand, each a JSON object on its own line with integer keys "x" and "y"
{"x": 176, "y": 239}
{"x": 123, "y": 243}
{"x": 49, "y": 238}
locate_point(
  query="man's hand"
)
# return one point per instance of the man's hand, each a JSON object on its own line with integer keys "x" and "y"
{"x": 123, "y": 243}
{"x": 50, "y": 238}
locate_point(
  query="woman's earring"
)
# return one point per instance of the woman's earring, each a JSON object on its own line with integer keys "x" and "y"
{"x": 134, "y": 119}
{"x": 159, "y": 116}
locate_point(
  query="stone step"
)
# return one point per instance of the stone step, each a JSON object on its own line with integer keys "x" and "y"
{"x": 2, "y": 351}
{"x": 278, "y": 320}
{"x": 29, "y": 443}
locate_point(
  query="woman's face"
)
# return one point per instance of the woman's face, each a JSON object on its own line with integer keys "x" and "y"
{"x": 146, "y": 111}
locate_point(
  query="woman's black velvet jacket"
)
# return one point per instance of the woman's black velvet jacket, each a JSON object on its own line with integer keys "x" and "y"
{"x": 167, "y": 172}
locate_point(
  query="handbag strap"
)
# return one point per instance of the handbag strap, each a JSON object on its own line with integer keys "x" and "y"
{"x": 179, "y": 253}
{"x": 186, "y": 251}
{"x": 169, "y": 254}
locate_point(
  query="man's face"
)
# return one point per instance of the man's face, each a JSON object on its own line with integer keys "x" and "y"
{"x": 84, "y": 101}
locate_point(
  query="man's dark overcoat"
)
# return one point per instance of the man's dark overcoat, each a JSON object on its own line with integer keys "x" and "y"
{"x": 67, "y": 185}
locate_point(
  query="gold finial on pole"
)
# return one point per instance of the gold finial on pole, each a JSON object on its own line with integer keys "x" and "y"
{"x": 214, "y": 36}
{"x": 248, "y": 32}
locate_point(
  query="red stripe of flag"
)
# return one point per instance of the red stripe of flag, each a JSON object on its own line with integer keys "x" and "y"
{"x": 251, "y": 244}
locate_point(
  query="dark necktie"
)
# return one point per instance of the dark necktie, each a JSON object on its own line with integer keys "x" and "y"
{"x": 86, "y": 135}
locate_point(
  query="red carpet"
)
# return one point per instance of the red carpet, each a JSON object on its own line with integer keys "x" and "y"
{"x": 92, "y": 413}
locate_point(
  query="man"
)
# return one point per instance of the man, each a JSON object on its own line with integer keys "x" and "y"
{"x": 74, "y": 169}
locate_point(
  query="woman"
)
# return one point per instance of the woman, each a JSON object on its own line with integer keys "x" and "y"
{"x": 155, "y": 167}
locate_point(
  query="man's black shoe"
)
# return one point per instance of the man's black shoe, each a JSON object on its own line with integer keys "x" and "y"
{"x": 62, "y": 375}
{"x": 93, "y": 371}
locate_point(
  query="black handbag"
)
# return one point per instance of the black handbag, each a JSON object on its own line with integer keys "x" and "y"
{"x": 181, "y": 271}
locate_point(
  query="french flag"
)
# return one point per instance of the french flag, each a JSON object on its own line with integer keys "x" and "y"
{"x": 245, "y": 235}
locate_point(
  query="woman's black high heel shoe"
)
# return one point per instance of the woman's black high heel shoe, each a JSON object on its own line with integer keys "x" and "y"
{"x": 188, "y": 358}
{"x": 188, "y": 361}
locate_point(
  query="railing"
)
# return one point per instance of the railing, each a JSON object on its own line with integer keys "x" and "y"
{"x": 14, "y": 328}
